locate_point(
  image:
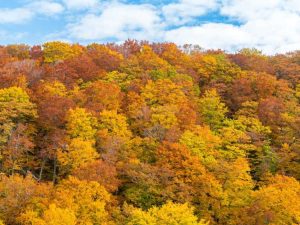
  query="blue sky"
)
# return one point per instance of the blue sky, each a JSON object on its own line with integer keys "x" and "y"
{"x": 270, "y": 25}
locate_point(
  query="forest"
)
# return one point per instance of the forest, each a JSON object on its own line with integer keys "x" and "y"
{"x": 144, "y": 133}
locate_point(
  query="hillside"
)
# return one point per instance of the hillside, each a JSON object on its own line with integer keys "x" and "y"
{"x": 148, "y": 133}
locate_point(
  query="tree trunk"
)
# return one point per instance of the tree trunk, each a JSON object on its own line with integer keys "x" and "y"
{"x": 42, "y": 169}
{"x": 54, "y": 171}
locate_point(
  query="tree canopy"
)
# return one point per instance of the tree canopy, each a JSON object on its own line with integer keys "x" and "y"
{"x": 144, "y": 133}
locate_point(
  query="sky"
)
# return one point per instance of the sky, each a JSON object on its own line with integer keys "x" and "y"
{"x": 272, "y": 26}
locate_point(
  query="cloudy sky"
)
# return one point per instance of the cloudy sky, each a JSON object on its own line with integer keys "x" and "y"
{"x": 270, "y": 25}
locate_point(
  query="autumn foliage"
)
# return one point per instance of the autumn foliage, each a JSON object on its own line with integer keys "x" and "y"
{"x": 148, "y": 133}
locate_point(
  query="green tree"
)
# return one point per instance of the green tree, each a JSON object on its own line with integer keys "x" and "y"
{"x": 212, "y": 110}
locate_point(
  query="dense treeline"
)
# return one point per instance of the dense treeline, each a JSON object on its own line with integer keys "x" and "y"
{"x": 148, "y": 133}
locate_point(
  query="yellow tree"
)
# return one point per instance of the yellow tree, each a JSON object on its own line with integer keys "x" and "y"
{"x": 202, "y": 143}
{"x": 114, "y": 124}
{"x": 17, "y": 114}
{"x": 164, "y": 116}
{"x": 77, "y": 153}
{"x": 81, "y": 124}
{"x": 168, "y": 214}
{"x": 214, "y": 67}
{"x": 235, "y": 142}
{"x": 57, "y": 50}
{"x": 238, "y": 185}
{"x": 164, "y": 100}
{"x": 297, "y": 91}
{"x": 276, "y": 203}
{"x": 51, "y": 216}
{"x": 113, "y": 132}
{"x": 74, "y": 202}
{"x": 20, "y": 51}
{"x": 15, "y": 107}
{"x": 189, "y": 180}
{"x": 121, "y": 79}
{"x": 81, "y": 130}
{"x": 147, "y": 62}
{"x": 88, "y": 200}
{"x": 54, "y": 88}
{"x": 261, "y": 157}
{"x": 19, "y": 149}
{"x": 58, "y": 216}
{"x": 173, "y": 55}
{"x": 17, "y": 193}
{"x": 163, "y": 92}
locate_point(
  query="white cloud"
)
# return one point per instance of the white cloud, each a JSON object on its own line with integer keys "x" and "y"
{"x": 46, "y": 7}
{"x": 80, "y": 4}
{"x": 272, "y": 25}
{"x": 17, "y": 15}
{"x": 29, "y": 11}
{"x": 211, "y": 35}
{"x": 119, "y": 21}
{"x": 11, "y": 37}
{"x": 186, "y": 10}
{"x": 278, "y": 33}
{"x": 246, "y": 10}
{"x": 269, "y": 25}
